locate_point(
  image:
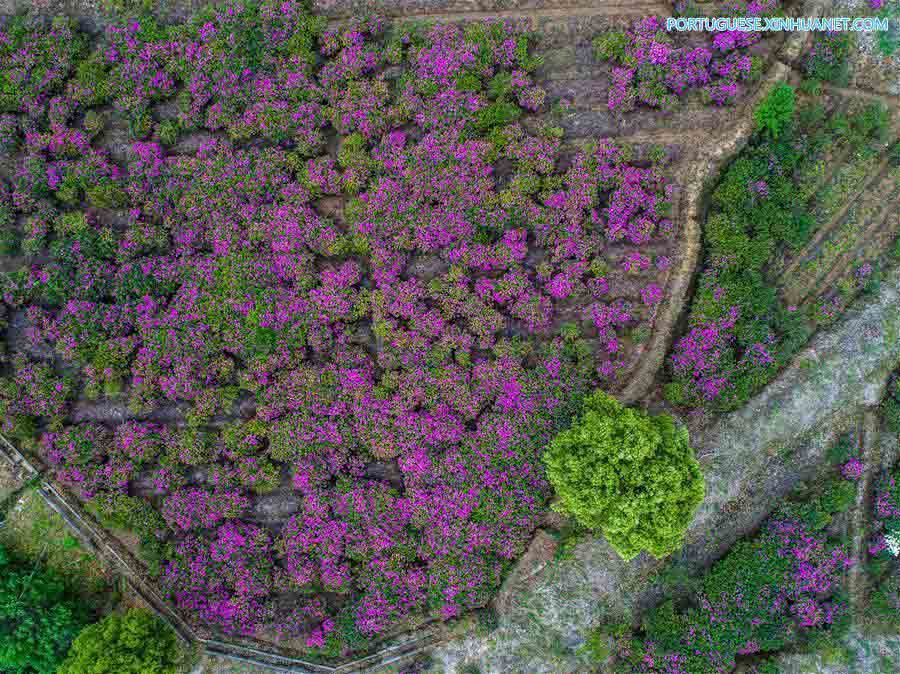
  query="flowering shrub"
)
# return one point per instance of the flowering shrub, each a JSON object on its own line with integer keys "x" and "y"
{"x": 650, "y": 69}
{"x": 887, "y": 515}
{"x": 225, "y": 578}
{"x": 739, "y": 331}
{"x": 35, "y": 64}
{"x": 884, "y": 551}
{"x": 344, "y": 264}
{"x": 891, "y": 405}
{"x": 765, "y": 594}
{"x": 884, "y": 541}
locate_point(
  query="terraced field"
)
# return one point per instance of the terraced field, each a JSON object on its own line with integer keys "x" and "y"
{"x": 853, "y": 195}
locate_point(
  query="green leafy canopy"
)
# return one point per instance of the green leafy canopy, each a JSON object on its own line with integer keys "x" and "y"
{"x": 631, "y": 475}
{"x": 134, "y": 643}
{"x": 38, "y": 619}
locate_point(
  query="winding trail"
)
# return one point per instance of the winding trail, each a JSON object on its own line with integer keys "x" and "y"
{"x": 870, "y": 455}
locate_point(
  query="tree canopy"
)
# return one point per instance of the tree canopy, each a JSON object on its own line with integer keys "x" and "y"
{"x": 134, "y": 643}
{"x": 38, "y": 618}
{"x": 631, "y": 475}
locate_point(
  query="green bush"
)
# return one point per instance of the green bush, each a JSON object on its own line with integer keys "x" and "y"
{"x": 776, "y": 110}
{"x": 894, "y": 154}
{"x": 9, "y": 242}
{"x": 134, "y": 643}
{"x": 601, "y": 642}
{"x": 627, "y": 473}
{"x": 38, "y": 619}
{"x": 890, "y": 408}
{"x": 498, "y": 113}
{"x": 811, "y": 87}
{"x": 884, "y": 604}
{"x": 610, "y": 46}
{"x": 94, "y": 122}
{"x": 106, "y": 195}
{"x": 835, "y": 496}
{"x": 120, "y": 511}
{"x": 500, "y": 86}
{"x": 888, "y": 40}
{"x": 168, "y": 132}
{"x": 92, "y": 78}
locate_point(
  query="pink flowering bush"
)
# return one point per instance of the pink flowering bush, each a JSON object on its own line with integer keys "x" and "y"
{"x": 343, "y": 294}
{"x": 225, "y": 578}
{"x": 765, "y": 594}
{"x": 886, "y": 510}
{"x": 35, "y": 63}
{"x": 650, "y": 69}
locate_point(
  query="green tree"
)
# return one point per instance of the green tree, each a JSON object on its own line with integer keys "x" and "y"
{"x": 629, "y": 474}
{"x": 38, "y": 619}
{"x": 134, "y": 643}
{"x": 776, "y": 110}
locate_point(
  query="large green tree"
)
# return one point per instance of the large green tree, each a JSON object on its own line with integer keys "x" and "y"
{"x": 631, "y": 475}
{"x": 38, "y": 619}
{"x": 134, "y": 643}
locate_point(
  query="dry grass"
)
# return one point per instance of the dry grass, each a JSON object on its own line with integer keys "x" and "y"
{"x": 8, "y": 482}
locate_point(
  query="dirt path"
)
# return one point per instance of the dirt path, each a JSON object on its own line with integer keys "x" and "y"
{"x": 870, "y": 455}
{"x": 892, "y": 102}
{"x": 528, "y": 17}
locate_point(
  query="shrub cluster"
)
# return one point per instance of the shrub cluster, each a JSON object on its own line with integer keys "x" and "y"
{"x": 439, "y": 326}
{"x": 886, "y": 530}
{"x": 827, "y": 58}
{"x": 884, "y": 540}
{"x": 780, "y": 588}
{"x": 39, "y": 618}
{"x": 776, "y": 110}
{"x": 650, "y": 69}
{"x": 136, "y": 642}
{"x": 740, "y": 331}
{"x": 891, "y": 405}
